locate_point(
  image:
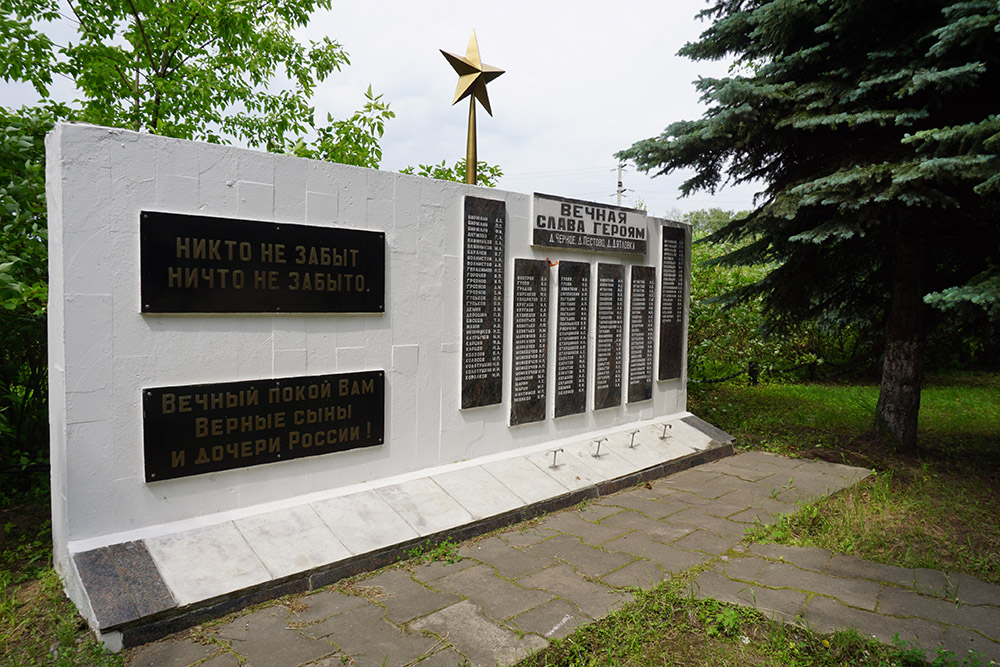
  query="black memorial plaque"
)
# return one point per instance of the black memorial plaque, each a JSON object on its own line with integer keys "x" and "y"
{"x": 559, "y": 222}
{"x": 196, "y": 429}
{"x": 198, "y": 264}
{"x": 640, "y": 333}
{"x": 610, "y": 333}
{"x": 571, "y": 338}
{"x": 482, "y": 302}
{"x": 531, "y": 337}
{"x": 672, "y": 303}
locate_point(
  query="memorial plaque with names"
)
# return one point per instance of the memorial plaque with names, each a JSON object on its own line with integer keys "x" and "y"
{"x": 531, "y": 338}
{"x": 482, "y": 301}
{"x": 672, "y": 303}
{"x": 199, "y": 264}
{"x": 610, "y": 334}
{"x": 196, "y": 429}
{"x": 571, "y": 338}
{"x": 640, "y": 333}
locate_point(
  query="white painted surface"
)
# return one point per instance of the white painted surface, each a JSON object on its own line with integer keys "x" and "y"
{"x": 103, "y": 351}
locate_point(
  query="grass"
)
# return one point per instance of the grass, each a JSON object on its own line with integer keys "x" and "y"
{"x": 665, "y": 627}
{"x": 38, "y": 624}
{"x": 937, "y": 509}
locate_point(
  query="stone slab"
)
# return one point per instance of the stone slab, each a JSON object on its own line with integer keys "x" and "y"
{"x": 509, "y": 562}
{"x": 667, "y": 557}
{"x": 826, "y": 615}
{"x": 713, "y": 432}
{"x": 265, "y": 638}
{"x": 424, "y": 505}
{"x": 569, "y": 522}
{"x": 569, "y": 471}
{"x": 784, "y": 604}
{"x": 806, "y": 558}
{"x": 965, "y": 643}
{"x": 588, "y": 560}
{"x": 291, "y": 540}
{"x": 525, "y": 479}
{"x": 703, "y": 540}
{"x": 595, "y": 600}
{"x": 479, "y": 492}
{"x": 906, "y": 604}
{"x": 363, "y": 521}
{"x": 639, "y": 573}
{"x": 498, "y": 598}
{"x": 608, "y": 465}
{"x": 206, "y": 562}
{"x": 479, "y": 640}
{"x": 366, "y": 638}
{"x": 661, "y": 531}
{"x": 555, "y": 619}
{"x": 108, "y": 595}
{"x": 173, "y": 653}
{"x": 322, "y": 605}
{"x": 859, "y": 593}
{"x": 403, "y": 598}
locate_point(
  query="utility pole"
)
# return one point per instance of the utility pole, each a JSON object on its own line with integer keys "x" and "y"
{"x": 620, "y": 189}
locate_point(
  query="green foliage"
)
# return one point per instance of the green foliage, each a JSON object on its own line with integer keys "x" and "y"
{"x": 202, "y": 70}
{"x": 725, "y": 336}
{"x": 486, "y": 175}
{"x": 446, "y": 551}
{"x": 877, "y": 153}
{"x": 710, "y": 220}
{"x": 23, "y": 296}
{"x": 353, "y": 141}
{"x": 897, "y": 138}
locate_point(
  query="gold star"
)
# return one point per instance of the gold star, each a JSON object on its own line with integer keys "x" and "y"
{"x": 473, "y": 75}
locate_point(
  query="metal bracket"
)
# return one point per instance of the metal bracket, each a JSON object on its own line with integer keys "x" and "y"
{"x": 598, "y": 442}
{"x": 631, "y": 444}
{"x": 664, "y": 435}
{"x": 553, "y": 452}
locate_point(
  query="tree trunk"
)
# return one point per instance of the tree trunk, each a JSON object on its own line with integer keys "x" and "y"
{"x": 902, "y": 366}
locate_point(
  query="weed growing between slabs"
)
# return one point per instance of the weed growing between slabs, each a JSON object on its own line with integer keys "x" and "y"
{"x": 937, "y": 510}
{"x": 664, "y": 626}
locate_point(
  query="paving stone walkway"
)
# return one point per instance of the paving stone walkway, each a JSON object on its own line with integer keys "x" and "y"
{"x": 514, "y": 591}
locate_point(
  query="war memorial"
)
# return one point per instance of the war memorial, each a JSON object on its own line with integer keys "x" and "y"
{"x": 269, "y": 373}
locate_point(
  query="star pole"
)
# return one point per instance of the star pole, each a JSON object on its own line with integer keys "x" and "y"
{"x": 473, "y": 76}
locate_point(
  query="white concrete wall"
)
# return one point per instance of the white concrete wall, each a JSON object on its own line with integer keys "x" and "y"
{"x": 103, "y": 351}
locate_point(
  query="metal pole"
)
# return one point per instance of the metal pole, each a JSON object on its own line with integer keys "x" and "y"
{"x": 471, "y": 161}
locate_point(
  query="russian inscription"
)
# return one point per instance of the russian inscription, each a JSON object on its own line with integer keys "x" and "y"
{"x": 531, "y": 334}
{"x": 482, "y": 302}
{"x": 196, "y": 429}
{"x": 640, "y": 333}
{"x": 610, "y": 332}
{"x": 582, "y": 225}
{"x": 672, "y": 303}
{"x": 200, "y": 264}
{"x": 571, "y": 338}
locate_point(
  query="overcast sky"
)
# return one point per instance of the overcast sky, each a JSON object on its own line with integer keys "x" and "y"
{"x": 583, "y": 79}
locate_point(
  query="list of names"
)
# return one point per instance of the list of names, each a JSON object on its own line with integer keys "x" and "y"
{"x": 571, "y": 338}
{"x": 531, "y": 333}
{"x": 482, "y": 312}
{"x": 610, "y": 332}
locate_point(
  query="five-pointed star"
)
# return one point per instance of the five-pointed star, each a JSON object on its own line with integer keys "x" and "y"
{"x": 473, "y": 75}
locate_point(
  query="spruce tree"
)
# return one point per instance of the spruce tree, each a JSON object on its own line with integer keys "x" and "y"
{"x": 873, "y": 129}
